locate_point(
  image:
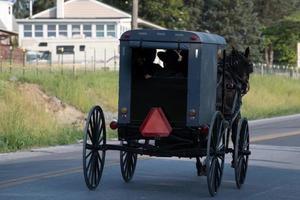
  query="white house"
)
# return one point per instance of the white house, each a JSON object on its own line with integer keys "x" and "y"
{"x": 80, "y": 29}
{"x": 8, "y": 27}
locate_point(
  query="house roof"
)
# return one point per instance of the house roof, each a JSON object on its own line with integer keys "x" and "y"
{"x": 2, "y": 26}
{"x": 89, "y": 9}
{"x": 5, "y": 30}
{"x": 84, "y": 9}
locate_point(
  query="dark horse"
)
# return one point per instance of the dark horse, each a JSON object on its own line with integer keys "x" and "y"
{"x": 233, "y": 79}
{"x": 233, "y": 83}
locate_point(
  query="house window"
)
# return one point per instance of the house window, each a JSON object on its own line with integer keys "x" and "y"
{"x": 111, "y": 30}
{"x": 68, "y": 49}
{"x": 51, "y": 30}
{"x": 63, "y": 30}
{"x": 100, "y": 30}
{"x": 75, "y": 30}
{"x": 87, "y": 30}
{"x": 38, "y": 30}
{"x": 82, "y": 48}
{"x": 27, "y": 30}
{"x": 43, "y": 44}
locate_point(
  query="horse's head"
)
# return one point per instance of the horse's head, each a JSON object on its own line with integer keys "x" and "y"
{"x": 241, "y": 65}
{"x": 240, "y": 62}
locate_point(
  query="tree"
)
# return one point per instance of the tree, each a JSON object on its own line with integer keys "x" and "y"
{"x": 21, "y": 9}
{"x": 235, "y": 20}
{"x": 194, "y": 8}
{"x": 167, "y": 13}
{"x": 283, "y": 36}
{"x": 270, "y": 13}
{"x": 41, "y": 5}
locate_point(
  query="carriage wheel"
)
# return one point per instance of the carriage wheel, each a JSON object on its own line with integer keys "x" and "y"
{"x": 128, "y": 163}
{"x": 215, "y": 153}
{"x": 241, "y": 152}
{"x": 94, "y": 139}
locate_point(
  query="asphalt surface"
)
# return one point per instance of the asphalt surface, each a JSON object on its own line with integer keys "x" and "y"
{"x": 56, "y": 173}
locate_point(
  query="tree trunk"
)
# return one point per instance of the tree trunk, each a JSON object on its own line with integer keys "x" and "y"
{"x": 269, "y": 55}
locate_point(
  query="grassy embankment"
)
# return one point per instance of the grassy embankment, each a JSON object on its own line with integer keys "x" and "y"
{"x": 23, "y": 125}
{"x": 271, "y": 96}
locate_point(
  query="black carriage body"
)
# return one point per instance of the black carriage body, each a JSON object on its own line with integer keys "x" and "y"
{"x": 177, "y": 96}
{"x": 187, "y": 100}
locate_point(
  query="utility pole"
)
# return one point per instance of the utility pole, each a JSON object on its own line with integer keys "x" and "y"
{"x": 135, "y": 10}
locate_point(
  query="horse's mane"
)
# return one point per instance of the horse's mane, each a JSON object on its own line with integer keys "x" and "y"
{"x": 238, "y": 66}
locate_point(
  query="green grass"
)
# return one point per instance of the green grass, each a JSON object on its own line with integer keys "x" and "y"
{"x": 82, "y": 91}
{"x": 271, "y": 96}
{"x": 24, "y": 124}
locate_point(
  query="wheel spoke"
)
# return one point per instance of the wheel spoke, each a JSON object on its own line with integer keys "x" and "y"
{"x": 89, "y": 146}
{"x": 89, "y": 134}
{"x": 87, "y": 155}
{"x": 91, "y": 125}
{"x": 217, "y": 176}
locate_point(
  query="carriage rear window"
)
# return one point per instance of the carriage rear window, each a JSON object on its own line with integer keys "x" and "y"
{"x": 159, "y": 63}
{"x": 159, "y": 79}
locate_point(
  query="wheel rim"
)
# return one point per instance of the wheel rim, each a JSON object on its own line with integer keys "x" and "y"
{"x": 215, "y": 153}
{"x": 128, "y": 162}
{"x": 94, "y": 139}
{"x": 240, "y": 157}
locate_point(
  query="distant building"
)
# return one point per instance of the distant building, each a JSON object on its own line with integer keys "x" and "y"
{"x": 80, "y": 29}
{"x": 8, "y": 26}
{"x": 9, "y": 33}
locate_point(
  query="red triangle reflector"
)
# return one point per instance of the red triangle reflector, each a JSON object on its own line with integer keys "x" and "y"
{"x": 156, "y": 124}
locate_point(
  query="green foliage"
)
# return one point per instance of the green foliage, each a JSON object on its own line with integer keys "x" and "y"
{"x": 284, "y": 36}
{"x": 195, "y": 8}
{"x": 174, "y": 14}
{"x": 271, "y": 11}
{"x": 21, "y": 9}
{"x": 235, "y": 20}
{"x": 277, "y": 31}
{"x": 42, "y": 5}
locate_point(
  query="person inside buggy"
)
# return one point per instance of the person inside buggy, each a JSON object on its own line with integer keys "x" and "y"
{"x": 174, "y": 63}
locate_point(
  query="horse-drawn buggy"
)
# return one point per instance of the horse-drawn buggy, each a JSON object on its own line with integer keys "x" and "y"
{"x": 179, "y": 95}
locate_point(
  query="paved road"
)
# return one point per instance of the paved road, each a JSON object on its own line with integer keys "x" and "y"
{"x": 55, "y": 173}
